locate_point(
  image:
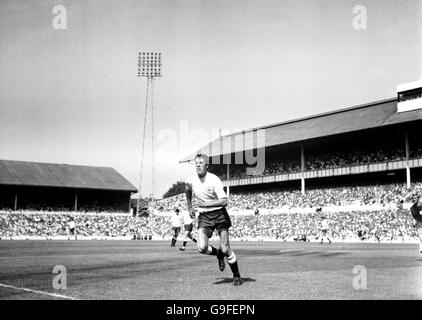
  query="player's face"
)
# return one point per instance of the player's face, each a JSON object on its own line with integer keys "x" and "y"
{"x": 201, "y": 166}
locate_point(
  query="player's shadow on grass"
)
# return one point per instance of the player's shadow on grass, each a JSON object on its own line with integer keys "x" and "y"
{"x": 230, "y": 280}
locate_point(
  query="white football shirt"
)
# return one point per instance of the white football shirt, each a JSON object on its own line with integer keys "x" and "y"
{"x": 175, "y": 220}
{"x": 207, "y": 189}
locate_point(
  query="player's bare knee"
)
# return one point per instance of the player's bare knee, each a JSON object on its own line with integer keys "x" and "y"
{"x": 202, "y": 248}
{"x": 225, "y": 250}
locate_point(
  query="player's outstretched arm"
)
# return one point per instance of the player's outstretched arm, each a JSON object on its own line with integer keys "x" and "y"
{"x": 188, "y": 193}
{"x": 416, "y": 208}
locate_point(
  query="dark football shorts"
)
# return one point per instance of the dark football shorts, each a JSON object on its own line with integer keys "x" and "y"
{"x": 214, "y": 220}
{"x": 416, "y": 213}
{"x": 189, "y": 227}
{"x": 176, "y": 231}
{"x": 72, "y": 231}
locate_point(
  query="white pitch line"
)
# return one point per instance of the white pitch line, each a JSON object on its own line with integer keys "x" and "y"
{"x": 38, "y": 292}
{"x": 76, "y": 255}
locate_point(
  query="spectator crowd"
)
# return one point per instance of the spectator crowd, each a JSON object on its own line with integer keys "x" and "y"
{"x": 381, "y": 226}
{"x": 382, "y": 194}
{"x": 96, "y": 225}
{"x": 290, "y": 162}
{"x": 384, "y": 225}
{"x": 334, "y": 196}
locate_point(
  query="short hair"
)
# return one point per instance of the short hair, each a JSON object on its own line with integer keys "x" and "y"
{"x": 177, "y": 210}
{"x": 202, "y": 156}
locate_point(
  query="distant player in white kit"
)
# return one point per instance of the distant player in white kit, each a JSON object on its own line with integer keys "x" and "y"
{"x": 175, "y": 223}
{"x": 72, "y": 227}
{"x": 188, "y": 225}
{"x": 415, "y": 210}
{"x": 324, "y": 229}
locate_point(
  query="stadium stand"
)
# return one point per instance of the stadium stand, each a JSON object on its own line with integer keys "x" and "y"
{"x": 374, "y": 137}
{"x": 364, "y": 156}
{"x": 57, "y": 187}
{"x": 329, "y": 159}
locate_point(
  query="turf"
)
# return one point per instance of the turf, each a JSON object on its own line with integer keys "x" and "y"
{"x": 154, "y": 270}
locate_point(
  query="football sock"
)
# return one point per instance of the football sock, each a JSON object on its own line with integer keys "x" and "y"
{"x": 184, "y": 244}
{"x": 233, "y": 264}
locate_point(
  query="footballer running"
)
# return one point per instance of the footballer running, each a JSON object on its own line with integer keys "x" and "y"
{"x": 212, "y": 201}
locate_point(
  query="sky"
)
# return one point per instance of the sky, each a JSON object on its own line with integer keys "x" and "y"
{"x": 71, "y": 94}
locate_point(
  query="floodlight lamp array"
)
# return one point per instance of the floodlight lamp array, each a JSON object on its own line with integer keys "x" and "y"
{"x": 149, "y": 64}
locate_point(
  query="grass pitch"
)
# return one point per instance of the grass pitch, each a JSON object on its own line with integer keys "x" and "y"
{"x": 154, "y": 270}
